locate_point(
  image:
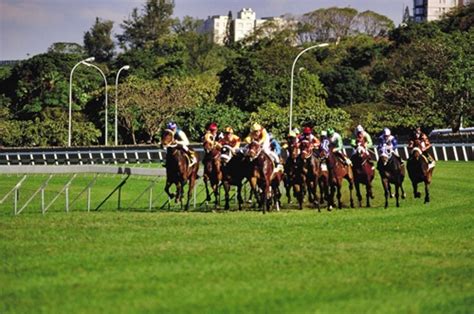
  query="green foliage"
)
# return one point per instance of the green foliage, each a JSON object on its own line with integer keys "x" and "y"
{"x": 98, "y": 41}
{"x": 66, "y": 48}
{"x": 195, "y": 120}
{"x": 151, "y": 24}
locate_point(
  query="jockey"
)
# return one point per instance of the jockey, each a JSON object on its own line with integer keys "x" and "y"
{"x": 361, "y": 138}
{"x": 261, "y": 136}
{"x": 230, "y": 139}
{"x": 420, "y": 140}
{"x": 182, "y": 140}
{"x": 210, "y": 138}
{"x": 324, "y": 142}
{"x": 308, "y": 136}
{"x": 291, "y": 139}
{"x": 335, "y": 143}
{"x": 388, "y": 144}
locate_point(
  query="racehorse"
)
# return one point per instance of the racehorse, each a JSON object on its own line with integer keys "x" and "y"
{"x": 391, "y": 172}
{"x": 293, "y": 178}
{"x": 323, "y": 181}
{"x": 338, "y": 171}
{"x": 419, "y": 171}
{"x": 310, "y": 171}
{"x": 212, "y": 173}
{"x": 178, "y": 169}
{"x": 234, "y": 170}
{"x": 363, "y": 174}
{"x": 261, "y": 171}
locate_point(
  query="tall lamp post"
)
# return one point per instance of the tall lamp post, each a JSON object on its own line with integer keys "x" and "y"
{"x": 106, "y": 100}
{"x": 125, "y": 67}
{"x": 292, "y": 76}
{"x": 69, "y": 137}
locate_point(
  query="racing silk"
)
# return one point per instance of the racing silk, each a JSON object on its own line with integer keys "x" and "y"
{"x": 422, "y": 141}
{"x": 387, "y": 142}
{"x": 233, "y": 141}
{"x": 313, "y": 140}
{"x": 210, "y": 141}
{"x": 263, "y": 139}
{"x": 181, "y": 138}
{"x": 362, "y": 138}
{"x": 275, "y": 146}
{"x": 336, "y": 141}
{"x": 325, "y": 145}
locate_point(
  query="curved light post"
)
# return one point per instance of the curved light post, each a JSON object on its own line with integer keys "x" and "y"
{"x": 292, "y": 75}
{"x": 106, "y": 100}
{"x": 69, "y": 137}
{"x": 125, "y": 67}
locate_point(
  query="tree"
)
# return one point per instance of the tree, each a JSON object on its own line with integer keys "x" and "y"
{"x": 229, "y": 31}
{"x": 373, "y": 24}
{"x": 66, "y": 48}
{"x": 154, "y": 22}
{"x": 98, "y": 41}
{"x": 406, "y": 16}
{"x": 331, "y": 23}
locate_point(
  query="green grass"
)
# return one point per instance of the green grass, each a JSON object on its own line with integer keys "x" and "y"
{"x": 417, "y": 258}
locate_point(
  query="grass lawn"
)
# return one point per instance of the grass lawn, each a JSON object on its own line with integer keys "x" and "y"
{"x": 417, "y": 258}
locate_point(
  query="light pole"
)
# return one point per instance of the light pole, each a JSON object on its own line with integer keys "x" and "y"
{"x": 292, "y": 75}
{"x": 69, "y": 137}
{"x": 125, "y": 67}
{"x": 106, "y": 100}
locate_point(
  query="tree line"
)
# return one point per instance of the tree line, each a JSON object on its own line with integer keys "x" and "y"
{"x": 378, "y": 76}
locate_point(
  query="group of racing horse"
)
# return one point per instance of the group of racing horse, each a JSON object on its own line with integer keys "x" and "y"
{"x": 307, "y": 169}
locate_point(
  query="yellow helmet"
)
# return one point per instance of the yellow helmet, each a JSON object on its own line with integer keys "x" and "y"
{"x": 256, "y": 127}
{"x": 292, "y": 134}
{"x": 229, "y": 130}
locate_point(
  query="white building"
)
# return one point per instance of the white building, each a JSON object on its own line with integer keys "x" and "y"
{"x": 430, "y": 10}
{"x": 244, "y": 25}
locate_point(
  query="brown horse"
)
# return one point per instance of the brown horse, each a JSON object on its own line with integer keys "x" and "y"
{"x": 363, "y": 174}
{"x": 234, "y": 170}
{"x": 338, "y": 171}
{"x": 419, "y": 171}
{"x": 178, "y": 171}
{"x": 310, "y": 171}
{"x": 293, "y": 178}
{"x": 261, "y": 170}
{"x": 323, "y": 181}
{"x": 212, "y": 173}
{"x": 391, "y": 172}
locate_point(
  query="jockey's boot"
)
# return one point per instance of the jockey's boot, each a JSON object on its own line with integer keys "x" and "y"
{"x": 431, "y": 161}
{"x": 192, "y": 157}
{"x": 347, "y": 161}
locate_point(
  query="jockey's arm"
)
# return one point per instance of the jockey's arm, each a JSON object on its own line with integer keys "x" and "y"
{"x": 368, "y": 141}
{"x": 338, "y": 144}
{"x": 182, "y": 139}
{"x": 265, "y": 137}
{"x": 236, "y": 141}
{"x": 248, "y": 139}
{"x": 353, "y": 142}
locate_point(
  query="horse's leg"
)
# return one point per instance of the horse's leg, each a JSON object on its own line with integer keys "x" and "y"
{"x": 192, "y": 184}
{"x": 226, "y": 195}
{"x": 167, "y": 189}
{"x": 427, "y": 192}
{"x": 215, "y": 189}
{"x": 368, "y": 195}
{"x": 208, "y": 195}
{"x": 415, "y": 190}
{"x": 404, "y": 195}
{"x": 386, "y": 189}
{"x": 397, "y": 188}
{"x": 351, "y": 188}
{"x": 359, "y": 196}
{"x": 332, "y": 191}
{"x": 339, "y": 194}
{"x": 298, "y": 194}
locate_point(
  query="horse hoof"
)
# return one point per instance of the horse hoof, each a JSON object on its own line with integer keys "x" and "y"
{"x": 392, "y": 195}
{"x": 404, "y": 195}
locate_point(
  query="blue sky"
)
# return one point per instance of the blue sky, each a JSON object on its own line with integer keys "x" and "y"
{"x": 31, "y": 26}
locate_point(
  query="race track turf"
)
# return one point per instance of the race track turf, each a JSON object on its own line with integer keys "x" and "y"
{"x": 417, "y": 258}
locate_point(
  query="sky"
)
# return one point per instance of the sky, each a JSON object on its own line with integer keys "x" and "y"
{"x": 29, "y": 27}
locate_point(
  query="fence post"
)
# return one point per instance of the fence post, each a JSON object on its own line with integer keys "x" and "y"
{"x": 464, "y": 153}
{"x": 455, "y": 153}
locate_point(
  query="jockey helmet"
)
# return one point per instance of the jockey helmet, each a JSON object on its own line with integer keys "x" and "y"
{"x": 212, "y": 126}
{"x": 324, "y": 133}
{"x": 386, "y": 132}
{"x": 292, "y": 134}
{"x": 229, "y": 130}
{"x": 359, "y": 128}
{"x": 171, "y": 125}
{"x": 256, "y": 127}
{"x": 307, "y": 130}
{"x": 296, "y": 131}
{"x": 331, "y": 131}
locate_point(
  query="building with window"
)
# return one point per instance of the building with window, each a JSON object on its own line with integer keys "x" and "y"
{"x": 216, "y": 26}
{"x": 430, "y": 10}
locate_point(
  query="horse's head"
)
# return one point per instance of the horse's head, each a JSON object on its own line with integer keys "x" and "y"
{"x": 294, "y": 151}
{"x": 253, "y": 150}
{"x": 226, "y": 154}
{"x": 167, "y": 139}
{"x": 306, "y": 150}
{"x": 416, "y": 153}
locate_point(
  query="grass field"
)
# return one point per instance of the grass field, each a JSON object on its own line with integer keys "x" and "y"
{"x": 417, "y": 258}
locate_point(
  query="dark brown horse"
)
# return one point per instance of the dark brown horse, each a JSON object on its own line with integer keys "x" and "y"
{"x": 391, "y": 172}
{"x": 261, "y": 170}
{"x": 293, "y": 178}
{"x": 363, "y": 174}
{"x": 212, "y": 173}
{"x": 178, "y": 171}
{"x": 419, "y": 171}
{"x": 338, "y": 171}
{"x": 234, "y": 170}
{"x": 323, "y": 176}
{"x": 310, "y": 171}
